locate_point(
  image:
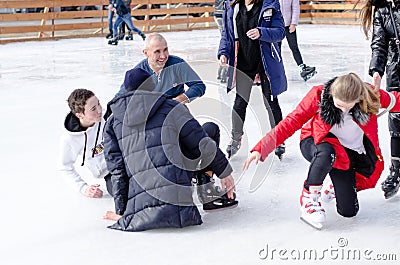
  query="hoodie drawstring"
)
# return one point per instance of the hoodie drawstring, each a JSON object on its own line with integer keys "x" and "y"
{"x": 84, "y": 150}
{"x": 95, "y": 144}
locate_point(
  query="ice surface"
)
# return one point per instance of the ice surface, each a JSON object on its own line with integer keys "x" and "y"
{"x": 44, "y": 222}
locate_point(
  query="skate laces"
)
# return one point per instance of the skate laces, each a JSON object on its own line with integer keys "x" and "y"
{"x": 328, "y": 193}
{"x": 310, "y": 202}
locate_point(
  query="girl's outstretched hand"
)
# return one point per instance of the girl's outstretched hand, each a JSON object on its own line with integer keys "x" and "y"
{"x": 377, "y": 81}
{"x": 256, "y": 156}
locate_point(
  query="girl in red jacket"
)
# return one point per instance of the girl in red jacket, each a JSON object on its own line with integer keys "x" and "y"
{"x": 339, "y": 136}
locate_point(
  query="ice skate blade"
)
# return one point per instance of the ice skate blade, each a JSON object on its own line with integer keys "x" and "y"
{"x": 221, "y": 209}
{"x": 315, "y": 225}
{"x": 308, "y": 77}
{"x": 389, "y": 195}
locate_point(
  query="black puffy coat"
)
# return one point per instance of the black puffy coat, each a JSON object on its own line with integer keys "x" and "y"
{"x": 144, "y": 141}
{"x": 385, "y": 51}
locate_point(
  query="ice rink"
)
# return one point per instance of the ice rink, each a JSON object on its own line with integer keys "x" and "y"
{"x": 43, "y": 221}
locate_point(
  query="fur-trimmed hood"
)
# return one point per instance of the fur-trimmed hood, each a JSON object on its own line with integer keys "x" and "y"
{"x": 332, "y": 115}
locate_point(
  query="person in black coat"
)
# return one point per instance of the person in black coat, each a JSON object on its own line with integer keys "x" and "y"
{"x": 153, "y": 147}
{"x": 385, "y": 45}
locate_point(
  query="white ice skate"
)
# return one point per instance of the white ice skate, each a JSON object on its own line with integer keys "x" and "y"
{"x": 328, "y": 193}
{"x": 311, "y": 210}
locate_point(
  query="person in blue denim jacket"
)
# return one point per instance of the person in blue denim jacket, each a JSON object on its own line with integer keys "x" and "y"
{"x": 249, "y": 46}
{"x": 123, "y": 15}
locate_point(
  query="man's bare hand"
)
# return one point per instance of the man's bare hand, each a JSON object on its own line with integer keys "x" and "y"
{"x": 93, "y": 191}
{"x": 182, "y": 98}
{"x": 228, "y": 184}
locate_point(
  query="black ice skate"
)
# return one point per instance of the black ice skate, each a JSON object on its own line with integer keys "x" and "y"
{"x": 109, "y": 35}
{"x": 211, "y": 196}
{"x": 143, "y": 36}
{"x": 234, "y": 146}
{"x": 280, "y": 150}
{"x": 306, "y": 72}
{"x": 129, "y": 37}
{"x": 113, "y": 41}
{"x": 391, "y": 185}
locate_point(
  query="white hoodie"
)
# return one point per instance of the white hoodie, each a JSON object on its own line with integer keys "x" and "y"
{"x": 79, "y": 145}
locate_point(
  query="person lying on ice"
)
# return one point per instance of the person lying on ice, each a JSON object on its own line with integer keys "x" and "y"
{"x": 153, "y": 147}
{"x": 339, "y": 137}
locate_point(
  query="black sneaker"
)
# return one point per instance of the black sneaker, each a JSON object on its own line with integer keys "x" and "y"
{"x": 391, "y": 185}
{"x": 211, "y": 196}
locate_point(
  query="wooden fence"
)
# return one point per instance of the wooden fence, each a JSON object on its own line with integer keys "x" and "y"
{"x": 54, "y": 19}
{"x": 330, "y": 12}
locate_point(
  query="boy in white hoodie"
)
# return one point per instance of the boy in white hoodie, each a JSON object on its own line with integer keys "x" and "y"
{"x": 83, "y": 139}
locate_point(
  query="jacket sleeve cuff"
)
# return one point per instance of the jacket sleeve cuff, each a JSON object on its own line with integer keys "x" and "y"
{"x": 83, "y": 189}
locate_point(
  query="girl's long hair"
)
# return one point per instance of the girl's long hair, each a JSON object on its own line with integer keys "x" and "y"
{"x": 366, "y": 16}
{"x": 350, "y": 88}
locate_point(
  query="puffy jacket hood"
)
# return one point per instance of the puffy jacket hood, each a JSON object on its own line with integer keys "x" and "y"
{"x": 139, "y": 105}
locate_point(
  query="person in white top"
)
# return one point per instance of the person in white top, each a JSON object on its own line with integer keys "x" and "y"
{"x": 83, "y": 139}
{"x": 291, "y": 12}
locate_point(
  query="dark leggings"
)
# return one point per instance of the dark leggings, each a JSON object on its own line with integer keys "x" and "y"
{"x": 294, "y": 47}
{"x": 244, "y": 83}
{"x": 322, "y": 157}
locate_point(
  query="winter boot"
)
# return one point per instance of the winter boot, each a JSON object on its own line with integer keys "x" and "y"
{"x": 328, "y": 193}
{"x": 211, "y": 196}
{"x": 391, "y": 185}
{"x": 113, "y": 41}
{"x": 109, "y": 35}
{"x": 234, "y": 145}
{"x": 306, "y": 72}
{"x": 129, "y": 37}
{"x": 280, "y": 150}
{"x": 143, "y": 35}
{"x": 311, "y": 210}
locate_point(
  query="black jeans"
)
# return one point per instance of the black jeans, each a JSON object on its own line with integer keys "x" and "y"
{"x": 244, "y": 83}
{"x": 292, "y": 41}
{"x": 322, "y": 157}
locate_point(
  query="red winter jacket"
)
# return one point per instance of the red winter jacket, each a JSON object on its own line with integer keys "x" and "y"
{"x": 309, "y": 117}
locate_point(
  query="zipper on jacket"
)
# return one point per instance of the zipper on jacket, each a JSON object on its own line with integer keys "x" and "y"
{"x": 276, "y": 51}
